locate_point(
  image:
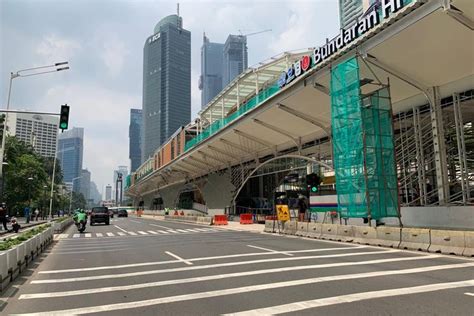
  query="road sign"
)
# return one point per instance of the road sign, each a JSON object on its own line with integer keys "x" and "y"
{"x": 283, "y": 213}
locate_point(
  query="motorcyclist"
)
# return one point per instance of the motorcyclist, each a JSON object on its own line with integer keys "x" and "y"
{"x": 79, "y": 217}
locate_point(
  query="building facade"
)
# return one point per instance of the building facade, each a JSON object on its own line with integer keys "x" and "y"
{"x": 351, "y": 10}
{"x": 124, "y": 171}
{"x": 235, "y": 57}
{"x": 40, "y": 131}
{"x": 166, "y": 83}
{"x": 108, "y": 192}
{"x": 70, "y": 153}
{"x": 135, "y": 139}
{"x": 210, "y": 82}
{"x": 85, "y": 181}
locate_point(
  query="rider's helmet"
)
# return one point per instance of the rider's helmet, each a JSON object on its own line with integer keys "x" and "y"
{"x": 81, "y": 210}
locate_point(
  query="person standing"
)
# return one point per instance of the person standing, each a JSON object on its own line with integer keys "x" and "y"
{"x": 37, "y": 214}
{"x": 3, "y": 217}
{"x": 302, "y": 207}
{"x": 27, "y": 214}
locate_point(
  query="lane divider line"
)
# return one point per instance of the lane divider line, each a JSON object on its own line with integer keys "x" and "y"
{"x": 118, "y": 227}
{"x": 271, "y": 250}
{"x": 159, "y": 226}
{"x": 178, "y": 257}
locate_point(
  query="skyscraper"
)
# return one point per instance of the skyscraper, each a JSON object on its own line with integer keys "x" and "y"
{"x": 210, "y": 82}
{"x": 124, "y": 171}
{"x": 70, "y": 150}
{"x": 235, "y": 59}
{"x": 351, "y": 10}
{"x": 135, "y": 141}
{"x": 85, "y": 183}
{"x": 40, "y": 131}
{"x": 94, "y": 193}
{"x": 166, "y": 83}
{"x": 108, "y": 192}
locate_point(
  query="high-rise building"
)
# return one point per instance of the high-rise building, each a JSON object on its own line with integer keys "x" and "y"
{"x": 124, "y": 171}
{"x": 108, "y": 192}
{"x": 135, "y": 140}
{"x": 166, "y": 83}
{"x": 351, "y": 10}
{"x": 70, "y": 150}
{"x": 40, "y": 131}
{"x": 210, "y": 82}
{"x": 85, "y": 181}
{"x": 94, "y": 193}
{"x": 235, "y": 59}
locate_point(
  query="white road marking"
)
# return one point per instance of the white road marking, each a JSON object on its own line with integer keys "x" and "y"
{"x": 271, "y": 250}
{"x": 142, "y": 232}
{"x": 172, "y": 231}
{"x": 132, "y": 233}
{"x": 61, "y": 236}
{"x": 152, "y": 232}
{"x": 135, "y": 221}
{"x": 292, "y": 307}
{"x": 143, "y": 264}
{"x": 88, "y": 235}
{"x": 120, "y": 228}
{"x": 355, "y": 297}
{"x": 91, "y": 251}
{"x": 121, "y": 234}
{"x": 248, "y": 273}
{"x": 178, "y": 257}
{"x": 469, "y": 294}
{"x": 218, "y": 265}
{"x": 110, "y": 234}
{"x": 76, "y": 235}
{"x": 163, "y": 232}
{"x": 160, "y": 226}
{"x": 181, "y": 230}
{"x": 192, "y": 230}
{"x": 99, "y": 235}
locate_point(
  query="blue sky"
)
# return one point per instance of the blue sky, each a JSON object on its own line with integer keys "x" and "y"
{"x": 103, "y": 42}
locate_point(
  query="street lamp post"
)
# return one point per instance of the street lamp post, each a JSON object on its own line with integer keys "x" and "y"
{"x": 43, "y": 206}
{"x": 24, "y": 73}
{"x": 30, "y": 180}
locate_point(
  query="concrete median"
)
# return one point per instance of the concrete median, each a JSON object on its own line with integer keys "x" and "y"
{"x": 289, "y": 227}
{"x": 365, "y": 235}
{"x": 447, "y": 241}
{"x": 302, "y": 229}
{"x": 345, "y": 233}
{"x": 329, "y": 231}
{"x": 415, "y": 239}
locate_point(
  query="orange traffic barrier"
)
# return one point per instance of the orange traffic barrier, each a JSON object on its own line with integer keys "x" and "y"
{"x": 220, "y": 220}
{"x": 246, "y": 219}
{"x": 182, "y": 213}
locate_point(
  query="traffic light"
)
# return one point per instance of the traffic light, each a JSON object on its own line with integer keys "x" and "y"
{"x": 64, "y": 117}
{"x": 313, "y": 181}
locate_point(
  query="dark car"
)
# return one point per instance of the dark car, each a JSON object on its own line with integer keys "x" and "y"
{"x": 122, "y": 213}
{"x": 100, "y": 215}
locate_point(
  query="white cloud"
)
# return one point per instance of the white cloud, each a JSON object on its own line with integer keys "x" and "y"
{"x": 113, "y": 54}
{"x": 53, "y": 48}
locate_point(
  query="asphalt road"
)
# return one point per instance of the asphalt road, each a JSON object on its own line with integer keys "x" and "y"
{"x": 148, "y": 267}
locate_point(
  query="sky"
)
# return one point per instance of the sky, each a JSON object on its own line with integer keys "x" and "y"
{"x": 103, "y": 42}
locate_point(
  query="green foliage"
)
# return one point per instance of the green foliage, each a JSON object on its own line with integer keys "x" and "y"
{"x": 12, "y": 242}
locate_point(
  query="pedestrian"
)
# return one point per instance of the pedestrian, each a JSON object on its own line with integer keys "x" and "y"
{"x": 27, "y": 214}
{"x": 37, "y": 212}
{"x": 302, "y": 207}
{"x": 3, "y": 217}
{"x": 15, "y": 226}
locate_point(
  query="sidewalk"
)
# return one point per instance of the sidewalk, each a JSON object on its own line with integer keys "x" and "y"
{"x": 236, "y": 226}
{"x": 23, "y": 224}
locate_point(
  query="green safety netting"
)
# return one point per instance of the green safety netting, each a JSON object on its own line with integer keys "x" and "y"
{"x": 363, "y": 146}
{"x": 219, "y": 124}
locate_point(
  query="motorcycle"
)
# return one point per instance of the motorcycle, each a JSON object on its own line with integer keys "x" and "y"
{"x": 81, "y": 226}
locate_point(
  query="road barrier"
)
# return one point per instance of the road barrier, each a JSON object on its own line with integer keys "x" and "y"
{"x": 415, "y": 239}
{"x": 345, "y": 233}
{"x": 314, "y": 230}
{"x": 365, "y": 235}
{"x": 270, "y": 225}
{"x": 289, "y": 227}
{"x": 468, "y": 244}
{"x": 329, "y": 231}
{"x": 205, "y": 220}
{"x": 388, "y": 236}
{"x": 15, "y": 260}
{"x": 302, "y": 229}
{"x": 246, "y": 219}
{"x": 447, "y": 242}
{"x": 59, "y": 227}
{"x": 220, "y": 220}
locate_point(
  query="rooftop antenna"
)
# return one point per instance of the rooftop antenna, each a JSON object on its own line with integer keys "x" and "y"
{"x": 177, "y": 8}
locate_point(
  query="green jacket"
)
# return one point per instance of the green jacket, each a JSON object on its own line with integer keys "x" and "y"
{"x": 80, "y": 217}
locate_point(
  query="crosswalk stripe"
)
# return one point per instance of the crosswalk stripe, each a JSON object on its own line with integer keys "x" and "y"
{"x": 132, "y": 233}
{"x": 152, "y": 232}
{"x": 163, "y": 232}
{"x": 172, "y": 231}
{"x": 99, "y": 235}
{"x": 121, "y": 233}
{"x": 218, "y": 265}
{"x": 110, "y": 234}
{"x": 181, "y": 230}
{"x": 192, "y": 230}
{"x": 248, "y": 273}
{"x": 142, "y": 232}
{"x": 62, "y": 236}
{"x": 355, "y": 297}
{"x": 88, "y": 235}
{"x": 76, "y": 235}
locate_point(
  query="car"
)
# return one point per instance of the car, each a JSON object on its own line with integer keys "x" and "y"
{"x": 100, "y": 215}
{"x": 122, "y": 213}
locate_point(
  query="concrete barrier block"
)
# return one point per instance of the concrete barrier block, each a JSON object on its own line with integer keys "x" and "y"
{"x": 315, "y": 230}
{"x": 345, "y": 233}
{"x": 3, "y": 267}
{"x": 447, "y": 242}
{"x": 468, "y": 244}
{"x": 21, "y": 253}
{"x": 329, "y": 231}
{"x": 28, "y": 248}
{"x": 12, "y": 261}
{"x": 415, "y": 239}
{"x": 302, "y": 229}
{"x": 365, "y": 235}
{"x": 271, "y": 226}
{"x": 289, "y": 227}
{"x": 388, "y": 236}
